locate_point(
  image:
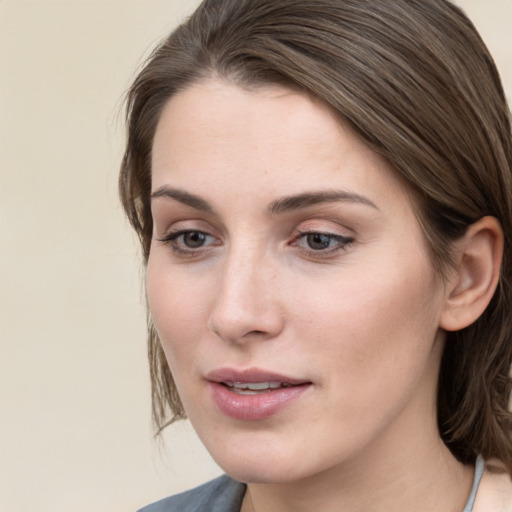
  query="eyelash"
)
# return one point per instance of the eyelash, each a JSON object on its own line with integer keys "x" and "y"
{"x": 171, "y": 239}
{"x": 341, "y": 243}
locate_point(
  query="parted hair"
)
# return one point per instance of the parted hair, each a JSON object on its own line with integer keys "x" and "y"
{"x": 416, "y": 82}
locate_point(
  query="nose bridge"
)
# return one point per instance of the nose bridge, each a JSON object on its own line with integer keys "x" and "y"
{"x": 246, "y": 300}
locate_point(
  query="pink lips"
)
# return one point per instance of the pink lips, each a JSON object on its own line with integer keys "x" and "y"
{"x": 253, "y": 394}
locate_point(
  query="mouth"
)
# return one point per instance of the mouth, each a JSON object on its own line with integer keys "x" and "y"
{"x": 253, "y": 394}
{"x": 253, "y": 380}
{"x": 256, "y": 388}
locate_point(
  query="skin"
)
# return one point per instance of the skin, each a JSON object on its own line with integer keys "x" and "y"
{"x": 359, "y": 320}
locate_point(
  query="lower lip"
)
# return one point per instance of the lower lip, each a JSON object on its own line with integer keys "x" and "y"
{"x": 255, "y": 407}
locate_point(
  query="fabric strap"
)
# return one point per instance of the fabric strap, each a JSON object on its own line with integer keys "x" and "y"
{"x": 479, "y": 471}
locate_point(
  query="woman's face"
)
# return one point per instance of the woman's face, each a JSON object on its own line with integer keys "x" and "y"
{"x": 290, "y": 285}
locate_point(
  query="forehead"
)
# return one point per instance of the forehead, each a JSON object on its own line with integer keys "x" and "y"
{"x": 216, "y": 132}
{"x": 226, "y": 111}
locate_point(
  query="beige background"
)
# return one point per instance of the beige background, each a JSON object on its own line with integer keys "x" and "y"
{"x": 74, "y": 406}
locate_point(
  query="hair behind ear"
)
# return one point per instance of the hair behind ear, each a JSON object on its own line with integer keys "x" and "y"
{"x": 474, "y": 386}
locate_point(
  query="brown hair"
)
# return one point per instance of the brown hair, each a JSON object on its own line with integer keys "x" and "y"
{"x": 415, "y": 80}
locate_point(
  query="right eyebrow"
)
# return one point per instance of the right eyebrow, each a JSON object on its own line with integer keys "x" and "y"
{"x": 186, "y": 198}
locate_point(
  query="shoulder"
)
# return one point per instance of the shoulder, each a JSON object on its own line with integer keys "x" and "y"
{"x": 220, "y": 495}
{"x": 495, "y": 492}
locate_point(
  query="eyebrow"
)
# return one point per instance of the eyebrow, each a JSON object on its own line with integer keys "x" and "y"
{"x": 191, "y": 200}
{"x": 297, "y": 202}
{"x": 279, "y": 206}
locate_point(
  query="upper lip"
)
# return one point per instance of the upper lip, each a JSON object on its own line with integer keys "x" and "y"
{"x": 251, "y": 375}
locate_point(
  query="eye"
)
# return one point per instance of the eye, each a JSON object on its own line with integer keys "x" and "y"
{"x": 188, "y": 241}
{"x": 194, "y": 239}
{"x": 318, "y": 242}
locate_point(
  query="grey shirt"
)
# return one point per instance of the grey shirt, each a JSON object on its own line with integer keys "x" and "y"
{"x": 225, "y": 495}
{"x": 220, "y": 495}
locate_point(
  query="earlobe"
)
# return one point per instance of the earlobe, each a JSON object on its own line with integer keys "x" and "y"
{"x": 472, "y": 285}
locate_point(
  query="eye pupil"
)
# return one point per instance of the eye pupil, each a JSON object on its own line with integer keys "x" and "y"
{"x": 194, "y": 239}
{"x": 318, "y": 241}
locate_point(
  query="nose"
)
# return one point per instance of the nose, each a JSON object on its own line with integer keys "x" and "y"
{"x": 246, "y": 306}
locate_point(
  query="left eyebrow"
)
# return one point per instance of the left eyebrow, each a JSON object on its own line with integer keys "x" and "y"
{"x": 299, "y": 201}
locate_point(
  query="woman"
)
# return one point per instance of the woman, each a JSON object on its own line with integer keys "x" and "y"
{"x": 323, "y": 194}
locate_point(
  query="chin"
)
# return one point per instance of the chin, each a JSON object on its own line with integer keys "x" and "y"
{"x": 250, "y": 465}
{"x": 266, "y": 463}
{"x": 247, "y": 472}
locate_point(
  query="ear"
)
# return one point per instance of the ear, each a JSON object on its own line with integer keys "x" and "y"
{"x": 471, "y": 287}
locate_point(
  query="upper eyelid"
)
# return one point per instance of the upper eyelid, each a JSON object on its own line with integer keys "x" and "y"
{"x": 326, "y": 231}
{"x": 165, "y": 228}
{"x": 175, "y": 233}
{"x": 325, "y": 226}
{"x": 336, "y": 236}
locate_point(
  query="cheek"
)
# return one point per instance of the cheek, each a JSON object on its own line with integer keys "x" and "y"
{"x": 373, "y": 342}
{"x": 371, "y": 323}
{"x": 177, "y": 309}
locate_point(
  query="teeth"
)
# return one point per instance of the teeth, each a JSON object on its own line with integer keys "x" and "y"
{"x": 256, "y": 386}
{"x": 252, "y": 388}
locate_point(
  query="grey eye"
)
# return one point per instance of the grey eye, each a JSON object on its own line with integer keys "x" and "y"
{"x": 194, "y": 239}
{"x": 318, "y": 241}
